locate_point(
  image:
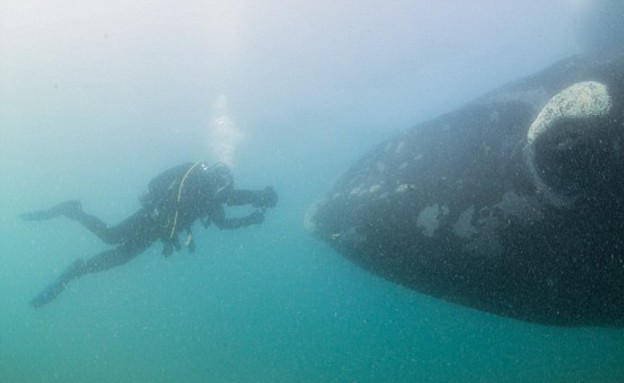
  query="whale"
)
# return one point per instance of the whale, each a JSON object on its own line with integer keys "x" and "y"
{"x": 512, "y": 204}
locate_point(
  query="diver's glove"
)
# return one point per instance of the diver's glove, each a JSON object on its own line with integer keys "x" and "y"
{"x": 266, "y": 198}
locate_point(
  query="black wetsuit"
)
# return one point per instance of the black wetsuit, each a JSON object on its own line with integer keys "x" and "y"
{"x": 176, "y": 199}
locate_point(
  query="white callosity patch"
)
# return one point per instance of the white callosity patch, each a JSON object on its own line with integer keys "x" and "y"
{"x": 463, "y": 228}
{"x": 358, "y": 190}
{"x": 402, "y": 188}
{"x": 482, "y": 238}
{"x": 520, "y": 208}
{"x": 583, "y": 99}
{"x": 363, "y": 190}
{"x": 350, "y": 235}
{"x": 482, "y": 229}
{"x": 429, "y": 218}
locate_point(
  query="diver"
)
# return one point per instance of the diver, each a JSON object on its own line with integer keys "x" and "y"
{"x": 175, "y": 200}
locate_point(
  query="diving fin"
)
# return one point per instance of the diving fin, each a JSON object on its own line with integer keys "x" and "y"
{"x": 68, "y": 208}
{"x": 57, "y": 287}
{"x": 50, "y": 292}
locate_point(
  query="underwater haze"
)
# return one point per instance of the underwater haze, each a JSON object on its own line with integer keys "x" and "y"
{"x": 98, "y": 97}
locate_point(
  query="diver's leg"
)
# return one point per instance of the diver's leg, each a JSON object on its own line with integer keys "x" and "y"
{"x": 137, "y": 228}
{"x": 112, "y": 258}
{"x": 102, "y": 261}
{"x": 97, "y": 227}
{"x": 73, "y": 210}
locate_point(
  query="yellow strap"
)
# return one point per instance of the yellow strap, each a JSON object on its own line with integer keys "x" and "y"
{"x": 175, "y": 217}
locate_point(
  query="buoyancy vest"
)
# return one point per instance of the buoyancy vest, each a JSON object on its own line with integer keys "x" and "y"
{"x": 180, "y": 195}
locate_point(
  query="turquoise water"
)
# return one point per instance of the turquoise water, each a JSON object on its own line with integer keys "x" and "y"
{"x": 263, "y": 304}
{"x": 96, "y": 100}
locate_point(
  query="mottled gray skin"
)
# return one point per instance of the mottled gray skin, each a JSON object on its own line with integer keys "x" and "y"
{"x": 464, "y": 208}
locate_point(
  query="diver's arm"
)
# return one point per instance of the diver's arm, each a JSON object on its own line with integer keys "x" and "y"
{"x": 257, "y": 198}
{"x": 217, "y": 216}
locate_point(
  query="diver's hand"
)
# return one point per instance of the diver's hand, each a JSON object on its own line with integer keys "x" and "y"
{"x": 267, "y": 198}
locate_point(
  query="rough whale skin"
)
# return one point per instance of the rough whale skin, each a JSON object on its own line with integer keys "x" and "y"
{"x": 513, "y": 204}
